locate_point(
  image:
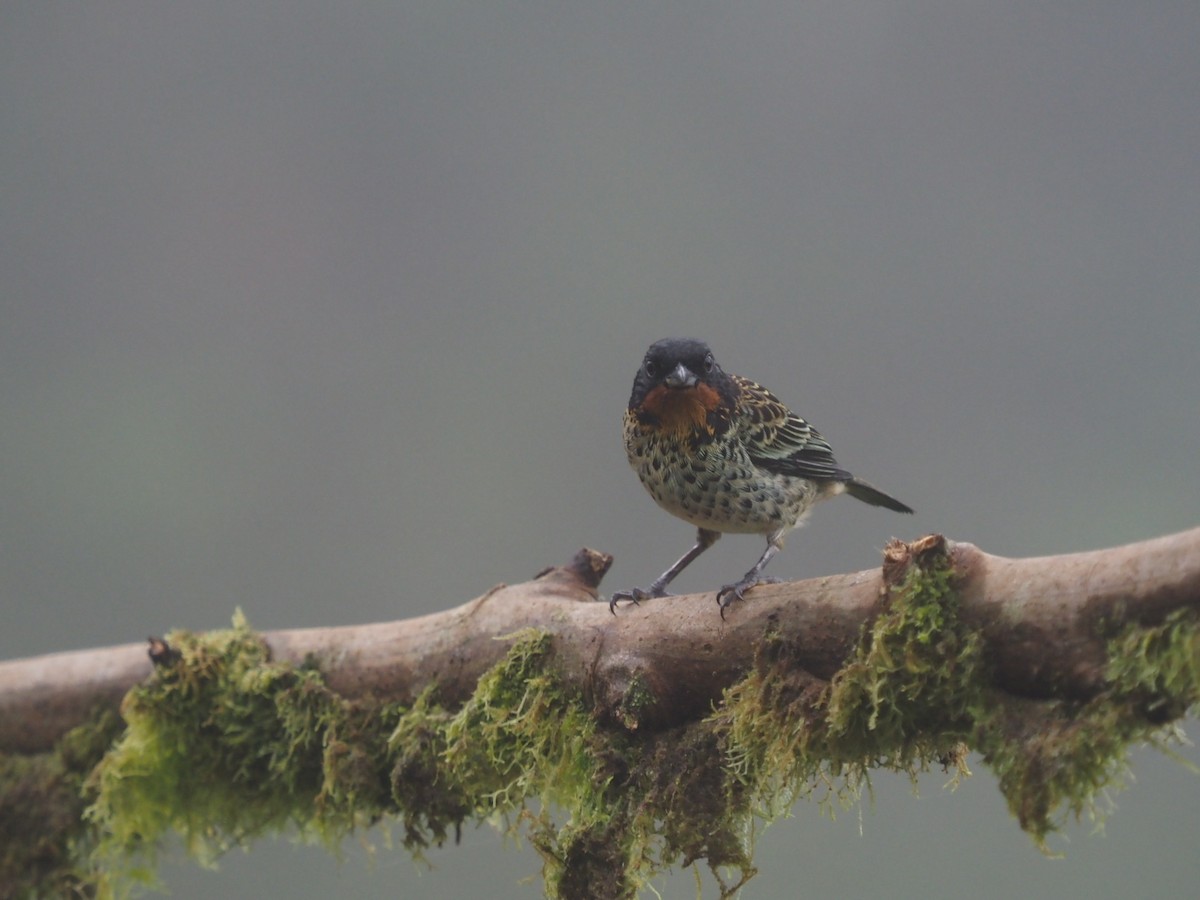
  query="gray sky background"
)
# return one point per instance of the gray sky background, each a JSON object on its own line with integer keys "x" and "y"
{"x": 331, "y": 312}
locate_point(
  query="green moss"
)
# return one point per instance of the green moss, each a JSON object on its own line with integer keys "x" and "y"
{"x": 635, "y": 700}
{"x": 428, "y": 802}
{"x": 223, "y": 745}
{"x": 917, "y": 693}
{"x": 523, "y": 742}
{"x": 658, "y": 802}
{"x": 902, "y": 702}
{"x": 42, "y": 798}
{"x": 905, "y": 700}
{"x": 1054, "y": 758}
{"x": 519, "y": 736}
{"x": 1156, "y": 670}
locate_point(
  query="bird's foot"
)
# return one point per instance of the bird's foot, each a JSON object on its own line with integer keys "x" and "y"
{"x": 730, "y": 593}
{"x": 635, "y": 595}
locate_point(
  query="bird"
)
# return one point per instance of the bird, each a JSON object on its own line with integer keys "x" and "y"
{"x": 724, "y": 454}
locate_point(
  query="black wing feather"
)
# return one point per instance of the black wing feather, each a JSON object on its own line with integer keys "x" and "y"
{"x": 780, "y": 441}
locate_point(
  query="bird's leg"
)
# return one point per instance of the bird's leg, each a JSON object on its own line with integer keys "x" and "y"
{"x": 731, "y": 592}
{"x": 658, "y": 587}
{"x": 704, "y": 540}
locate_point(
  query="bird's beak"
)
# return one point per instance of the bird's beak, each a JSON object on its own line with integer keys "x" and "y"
{"x": 680, "y": 377}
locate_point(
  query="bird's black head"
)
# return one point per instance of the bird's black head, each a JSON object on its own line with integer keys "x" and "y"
{"x": 680, "y": 382}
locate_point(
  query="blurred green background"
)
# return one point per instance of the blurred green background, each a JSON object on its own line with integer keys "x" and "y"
{"x": 331, "y": 311}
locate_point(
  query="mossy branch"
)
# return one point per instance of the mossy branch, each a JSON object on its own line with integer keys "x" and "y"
{"x": 660, "y": 731}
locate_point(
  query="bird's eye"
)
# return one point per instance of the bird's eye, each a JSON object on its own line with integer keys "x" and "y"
{"x": 650, "y": 368}
{"x": 709, "y": 362}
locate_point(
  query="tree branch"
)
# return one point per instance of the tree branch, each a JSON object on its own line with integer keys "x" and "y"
{"x": 661, "y": 732}
{"x": 1043, "y": 621}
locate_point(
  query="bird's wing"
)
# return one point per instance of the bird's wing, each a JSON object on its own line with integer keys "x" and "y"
{"x": 780, "y": 441}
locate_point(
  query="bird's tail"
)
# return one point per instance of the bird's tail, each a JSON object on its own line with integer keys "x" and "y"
{"x": 860, "y": 490}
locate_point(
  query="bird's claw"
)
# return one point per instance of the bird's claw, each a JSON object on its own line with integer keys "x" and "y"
{"x": 730, "y": 593}
{"x": 634, "y": 595}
